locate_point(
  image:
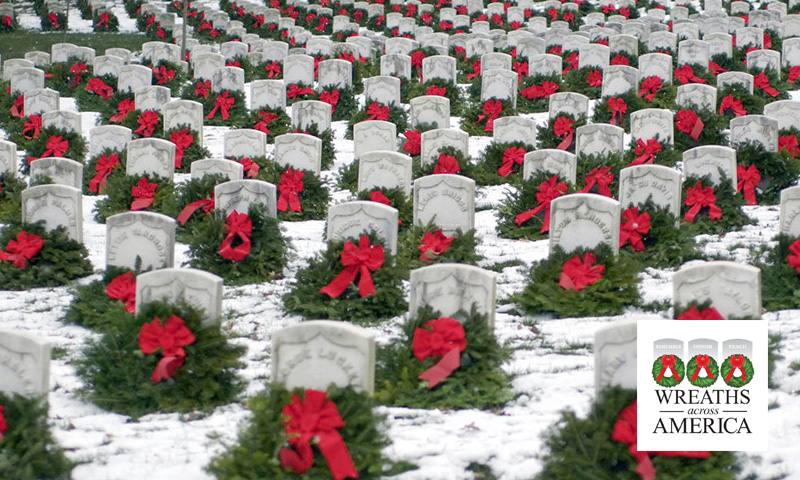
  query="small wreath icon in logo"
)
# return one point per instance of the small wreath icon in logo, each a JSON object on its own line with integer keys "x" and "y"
{"x": 668, "y": 370}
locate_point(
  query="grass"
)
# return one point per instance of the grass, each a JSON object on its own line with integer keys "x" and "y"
{"x": 16, "y": 44}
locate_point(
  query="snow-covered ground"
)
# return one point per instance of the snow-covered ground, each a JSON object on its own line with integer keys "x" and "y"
{"x": 552, "y": 364}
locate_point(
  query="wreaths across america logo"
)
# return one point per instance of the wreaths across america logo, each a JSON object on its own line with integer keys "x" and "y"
{"x": 702, "y": 387}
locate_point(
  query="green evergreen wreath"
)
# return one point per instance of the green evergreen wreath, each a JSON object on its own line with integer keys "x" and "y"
{"x": 38, "y": 146}
{"x": 91, "y": 102}
{"x": 615, "y": 291}
{"x": 28, "y": 450}
{"x": 778, "y": 170}
{"x": 576, "y": 81}
{"x": 314, "y": 198}
{"x": 275, "y": 127}
{"x": 470, "y": 121}
{"x": 714, "y": 128}
{"x": 90, "y": 306}
{"x": 131, "y": 121}
{"x": 467, "y": 168}
{"x": 666, "y": 246}
{"x": 192, "y": 191}
{"x": 728, "y": 202}
{"x": 117, "y": 376}
{"x": 255, "y": 455}
{"x": 632, "y": 100}
{"x": 479, "y": 382}
{"x": 668, "y": 156}
{"x": 113, "y": 23}
{"x": 737, "y": 382}
{"x": 776, "y": 82}
{"x": 11, "y": 189}
{"x": 305, "y": 299}
{"x": 536, "y": 105}
{"x": 239, "y": 115}
{"x": 60, "y": 79}
{"x": 310, "y": 96}
{"x": 587, "y": 163}
{"x": 582, "y": 448}
{"x": 780, "y": 283}
{"x": 521, "y": 200}
{"x": 491, "y": 159}
{"x": 195, "y": 150}
{"x": 701, "y": 382}
{"x": 347, "y": 104}
{"x": 452, "y": 92}
{"x": 666, "y": 381}
{"x": 751, "y": 103}
{"x": 461, "y": 250}
{"x": 90, "y": 169}
{"x": 547, "y": 137}
{"x": 268, "y": 251}
{"x": 60, "y": 260}
{"x": 109, "y": 108}
{"x": 119, "y": 196}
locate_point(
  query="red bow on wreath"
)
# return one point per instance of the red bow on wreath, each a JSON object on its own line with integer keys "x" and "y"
{"x": 733, "y": 105}
{"x": 476, "y": 70}
{"x": 794, "y": 74}
{"x": 331, "y": 98}
{"x": 715, "y": 69}
{"x": 446, "y": 164}
{"x": 143, "y": 194}
{"x": 53, "y": 19}
{"x": 124, "y": 107}
{"x": 273, "y": 69}
{"x": 413, "y": 142}
{"x": 416, "y": 62}
{"x": 562, "y": 127}
{"x": 323, "y": 22}
{"x": 578, "y": 273}
{"x": 594, "y": 78}
{"x": 295, "y": 91}
{"x": 23, "y": 248}
{"x": 18, "y": 108}
{"x": 433, "y": 245}
{"x": 491, "y": 110}
{"x": 290, "y": 187}
{"x": 572, "y": 62}
{"x": 77, "y": 69}
{"x": 668, "y": 363}
{"x": 163, "y": 74}
{"x": 376, "y": 112}
{"x": 789, "y": 144}
{"x": 617, "y": 107}
{"x": 223, "y": 103}
{"x": 363, "y": 259}
{"x": 548, "y": 190}
{"x": 182, "y": 140}
{"x": 123, "y": 288}
{"x": 650, "y": 86}
{"x": 685, "y": 74}
{"x": 436, "y": 91}
{"x": 620, "y": 60}
{"x": 99, "y": 87}
{"x": 103, "y": 22}
{"x": 625, "y": 432}
{"x": 446, "y": 339}
{"x": 250, "y": 167}
{"x": 749, "y": 178}
{"x": 7, "y": 22}
{"x": 546, "y": 89}
{"x": 737, "y": 361}
{"x": 147, "y": 123}
{"x": 699, "y": 197}
{"x": 207, "y": 204}
{"x": 170, "y": 338}
{"x": 693, "y": 313}
{"x": 794, "y": 258}
{"x": 104, "y": 166}
{"x": 315, "y": 419}
{"x": 56, "y": 147}
{"x": 761, "y": 81}
{"x": 511, "y": 157}
{"x": 645, "y": 152}
{"x": 263, "y": 124}
{"x": 34, "y": 124}
{"x": 689, "y": 123}
{"x": 602, "y": 177}
{"x": 202, "y": 88}
{"x": 522, "y": 70}
{"x": 239, "y": 228}
{"x": 633, "y": 227}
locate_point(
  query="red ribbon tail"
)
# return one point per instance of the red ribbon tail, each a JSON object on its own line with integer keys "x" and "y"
{"x": 750, "y": 193}
{"x": 697, "y": 130}
{"x": 294, "y": 203}
{"x": 236, "y": 254}
{"x": 566, "y": 142}
{"x": 97, "y": 182}
{"x": 340, "y": 283}
{"x": 141, "y": 203}
{"x": 448, "y": 364}
{"x": 166, "y": 368}
{"x": 365, "y": 285}
{"x": 692, "y": 212}
{"x": 297, "y": 461}
{"x": 525, "y": 216}
{"x": 714, "y": 212}
{"x": 189, "y": 210}
{"x": 338, "y": 457}
{"x": 505, "y": 169}
{"x": 645, "y": 468}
